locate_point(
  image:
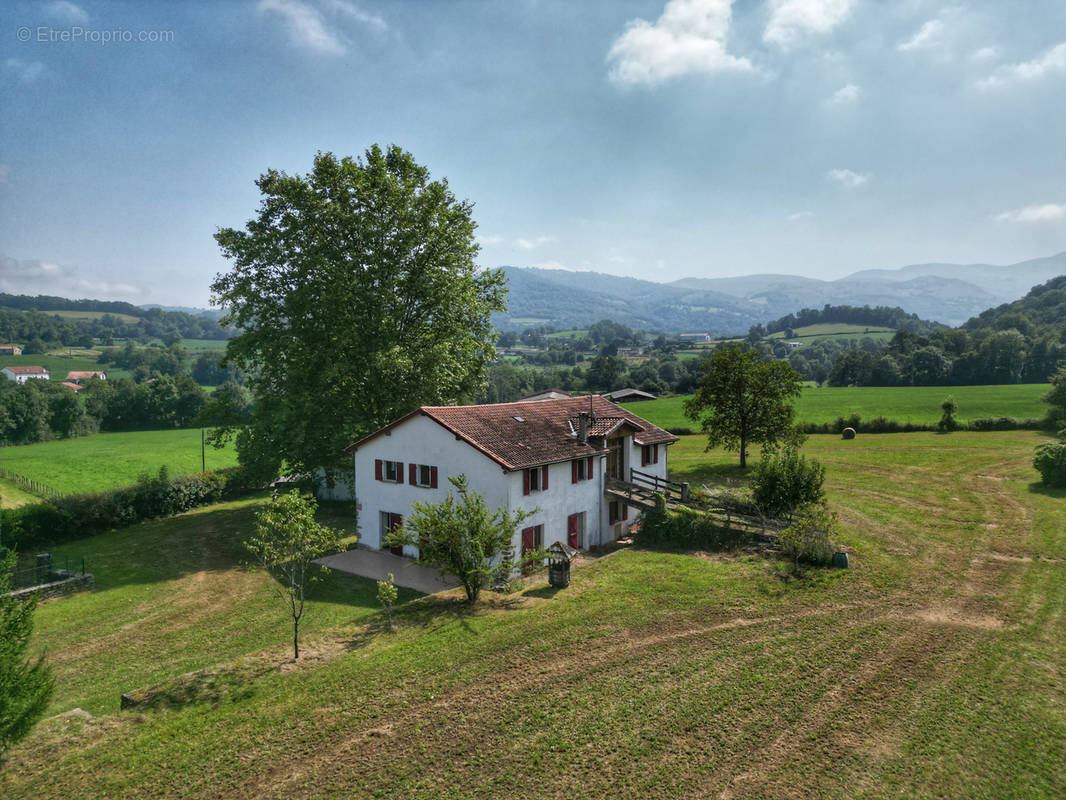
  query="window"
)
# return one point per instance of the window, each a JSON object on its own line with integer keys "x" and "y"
{"x": 649, "y": 454}
{"x": 389, "y": 523}
{"x": 580, "y": 469}
{"x": 422, "y": 475}
{"x": 388, "y": 471}
{"x": 532, "y": 538}
{"x": 617, "y": 511}
{"x": 535, "y": 479}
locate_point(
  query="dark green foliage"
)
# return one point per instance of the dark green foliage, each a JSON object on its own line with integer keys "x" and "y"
{"x": 808, "y": 538}
{"x": 879, "y": 317}
{"x": 783, "y": 480}
{"x": 358, "y": 298}
{"x": 883, "y": 425}
{"x": 25, "y": 687}
{"x": 947, "y": 421}
{"x": 1050, "y": 461}
{"x": 77, "y": 516}
{"x": 744, "y": 400}
{"x": 686, "y": 529}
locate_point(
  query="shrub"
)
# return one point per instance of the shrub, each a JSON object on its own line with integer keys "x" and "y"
{"x": 808, "y": 536}
{"x": 1050, "y": 461}
{"x": 686, "y": 529}
{"x": 947, "y": 421}
{"x": 784, "y": 480}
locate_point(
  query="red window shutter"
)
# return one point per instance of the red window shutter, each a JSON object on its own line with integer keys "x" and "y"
{"x": 588, "y": 468}
{"x": 412, "y": 474}
{"x": 544, "y": 478}
{"x": 527, "y": 539}
{"x": 377, "y": 469}
{"x": 432, "y": 477}
{"x": 644, "y": 456}
{"x": 655, "y": 452}
{"x": 525, "y": 481}
{"x": 573, "y": 471}
{"x": 399, "y": 472}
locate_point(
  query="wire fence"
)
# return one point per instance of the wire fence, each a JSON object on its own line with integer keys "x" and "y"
{"x": 31, "y": 486}
{"x": 41, "y": 568}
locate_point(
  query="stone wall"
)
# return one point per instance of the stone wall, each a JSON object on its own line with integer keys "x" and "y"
{"x": 65, "y": 583}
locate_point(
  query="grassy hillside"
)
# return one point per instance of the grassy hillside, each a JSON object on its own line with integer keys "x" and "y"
{"x": 105, "y": 460}
{"x": 919, "y": 404}
{"x": 932, "y": 668}
{"x": 836, "y": 330}
{"x": 173, "y": 596}
{"x": 91, "y": 315}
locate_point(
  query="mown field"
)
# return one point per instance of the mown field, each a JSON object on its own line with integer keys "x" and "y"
{"x": 934, "y": 668}
{"x": 837, "y": 330}
{"x": 918, "y": 404}
{"x": 106, "y": 460}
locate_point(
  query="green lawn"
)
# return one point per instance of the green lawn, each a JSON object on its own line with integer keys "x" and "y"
{"x": 198, "y": 346}
{"x": 933, "y": 668}
{"x": 92, "y": 315}
{"x": 837, "y": 330}
{"x": 106, "y": 460}
{"x": 918, "y": 404}
{"x": 172, "y": 596}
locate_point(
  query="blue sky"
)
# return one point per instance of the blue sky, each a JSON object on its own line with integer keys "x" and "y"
{"x": 652, "y": 139}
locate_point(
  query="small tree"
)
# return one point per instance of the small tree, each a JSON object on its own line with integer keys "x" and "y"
{"x": 461, "y": 537}
{"x": 947, "y": 421}
{"x": 1056, "y": 398}
{"x": 784, "y": 480}
{"x": 747, "y": 400}
{"x": 287, "y": 540}
{"x": 387, "y": 596}
{"x": 1050, "y": 461}
{"x": 808, "y": 536}
{"x": 25, "y": 688}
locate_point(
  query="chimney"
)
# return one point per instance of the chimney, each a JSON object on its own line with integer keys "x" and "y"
{"x": 583, "y": 428}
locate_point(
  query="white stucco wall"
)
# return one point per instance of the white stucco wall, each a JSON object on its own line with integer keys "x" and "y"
{"x": 22, "y": 378}
{"x": 563, "y": 498}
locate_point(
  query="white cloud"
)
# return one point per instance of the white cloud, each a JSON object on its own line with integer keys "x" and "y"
{"x": 488, "y": 239}
{"x": 25, "y": 71}
{"x": 927, "y": 37}
{"x": 847, "y": 178}
{"x": 532, "y": 244}
{"x": 688, "y": 38}
{"x": 985, "y": 54}
{"x": 45, "y": 277}
{"x": 353, "y": 12}
{"x": 1053, "y": 62}
{"x": 800, "y": 215}
{"x": 792, "y": 20}
{"x": 65, "y": 11}
{"x": 1048, "y": 212}
{"x": 305, "y": 25}
{"x": 5, "y": 173}
{"x": 845, "y": 95}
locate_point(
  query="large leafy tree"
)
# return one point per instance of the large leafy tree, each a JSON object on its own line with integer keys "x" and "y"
{"x": 358, "y": 299}
{"x": 744, "y": 400}
{"x": 25, "y": 687}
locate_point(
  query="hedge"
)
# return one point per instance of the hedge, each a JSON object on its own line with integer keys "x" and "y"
{"x": 883, "y": 425}
{"x": 80, "y": 515}
{"x": 686, "y": 529}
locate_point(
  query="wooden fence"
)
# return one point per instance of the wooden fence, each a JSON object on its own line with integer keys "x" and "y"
{"x": 30, "y": 486}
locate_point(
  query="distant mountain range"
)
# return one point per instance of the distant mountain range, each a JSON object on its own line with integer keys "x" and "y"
{"x": 947, "y": 293}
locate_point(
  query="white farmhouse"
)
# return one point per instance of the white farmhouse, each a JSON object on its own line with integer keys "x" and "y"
{"x": 23, "y": 374}
{"x": 563, "y": 459}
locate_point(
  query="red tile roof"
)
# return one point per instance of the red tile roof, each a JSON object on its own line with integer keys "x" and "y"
{"x": 27, "y": 370}
{"x": 84, "y": 376}
{"x": 77, "y": 387}
{"x": 527, "y": 434}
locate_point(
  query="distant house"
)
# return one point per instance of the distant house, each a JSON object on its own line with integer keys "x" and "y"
{"x": 77, "y": 387}
{"x": 23, "y": 374}
{"x": 81, "y": 378}
{"x": 695, "y": 337}
{"x": 793, "y": 345}
{"x": 628, "y": 395}
{"x": 570, "y": 463}
{"x": 547, "y": 394}
{"x": 10, "y": 349}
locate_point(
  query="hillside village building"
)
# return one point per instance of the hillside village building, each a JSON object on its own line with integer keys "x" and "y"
{"x": 23, "y": 374}
{"x": 560, "y": 459}
{"x": 10, "y": 349}
{"x": 81, "y": 378}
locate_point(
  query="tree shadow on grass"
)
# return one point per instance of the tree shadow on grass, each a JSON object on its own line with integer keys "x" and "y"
{"x": 1037, "y": 487}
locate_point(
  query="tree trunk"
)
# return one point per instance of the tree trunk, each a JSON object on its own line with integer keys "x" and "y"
{"x": 471, "y": 592}
{"x": 295, "y": 638}
{"x": 743, "y": 452}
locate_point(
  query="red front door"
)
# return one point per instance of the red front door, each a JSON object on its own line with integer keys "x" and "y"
{"x": 571, "y": 530}
{"x": 528, "y": 540}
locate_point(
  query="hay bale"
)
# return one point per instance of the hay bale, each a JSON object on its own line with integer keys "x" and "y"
{"x": 848, "y": 433}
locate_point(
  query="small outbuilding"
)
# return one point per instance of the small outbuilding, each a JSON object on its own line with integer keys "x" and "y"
{"x": 547, "y": 394}
{"x": 23, "y": 374}
{"x": 628, "y": 396}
